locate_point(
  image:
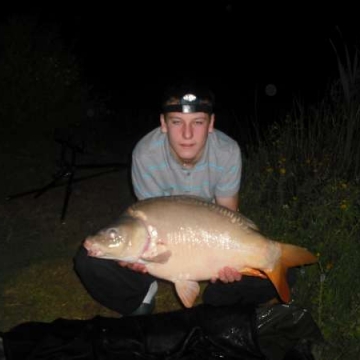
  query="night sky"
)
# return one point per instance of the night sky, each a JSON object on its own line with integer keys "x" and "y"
{"x": 131, "y": 51}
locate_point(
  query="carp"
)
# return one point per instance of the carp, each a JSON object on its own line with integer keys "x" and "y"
{"x": 186, "y": 240}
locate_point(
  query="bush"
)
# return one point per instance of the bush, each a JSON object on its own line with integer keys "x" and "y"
{"x": 300, "y": 189}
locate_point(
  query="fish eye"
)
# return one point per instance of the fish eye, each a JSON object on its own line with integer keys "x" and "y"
{"x": 112, "y": 233}
{"x": 115, "y": 237}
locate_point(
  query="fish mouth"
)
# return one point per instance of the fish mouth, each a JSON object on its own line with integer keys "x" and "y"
{"x": 95, "y": 253}
{"x": 92, "y": 250}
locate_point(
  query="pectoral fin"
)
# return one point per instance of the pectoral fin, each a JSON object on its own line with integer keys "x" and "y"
{"x": 187, "y": 291}
{"x": 159, "y": 254}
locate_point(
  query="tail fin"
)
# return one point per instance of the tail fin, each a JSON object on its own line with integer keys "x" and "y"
{"x": 291, "y": 256}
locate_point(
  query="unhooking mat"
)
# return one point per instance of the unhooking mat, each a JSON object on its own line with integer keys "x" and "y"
{"x": 279, "y": 332}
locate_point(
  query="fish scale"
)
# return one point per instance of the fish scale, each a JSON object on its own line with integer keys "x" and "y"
{"x": 185, "y": 240}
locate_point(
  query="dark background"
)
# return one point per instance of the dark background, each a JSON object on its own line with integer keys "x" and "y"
{"x": 130, "y": 51}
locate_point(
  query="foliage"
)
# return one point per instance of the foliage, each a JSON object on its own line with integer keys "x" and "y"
{"x": 300, "y": 188}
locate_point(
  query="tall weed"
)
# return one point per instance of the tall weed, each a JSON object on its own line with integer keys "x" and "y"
{"x": 301, "y": 188}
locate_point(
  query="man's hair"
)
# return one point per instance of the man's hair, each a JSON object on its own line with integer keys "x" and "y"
{"x": 188, "y": 97}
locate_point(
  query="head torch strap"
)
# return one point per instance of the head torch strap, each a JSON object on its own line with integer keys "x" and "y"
{"x": 185, "y": 108}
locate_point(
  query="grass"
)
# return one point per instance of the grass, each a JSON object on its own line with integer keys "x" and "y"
{"x": 30, "y": 296}
{"x": 302, "y": 188}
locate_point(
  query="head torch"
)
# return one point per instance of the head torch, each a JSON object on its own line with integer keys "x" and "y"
{"x": 188, "y": 98}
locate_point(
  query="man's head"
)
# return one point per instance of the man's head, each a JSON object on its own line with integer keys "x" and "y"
{"x": 187, "y": 118}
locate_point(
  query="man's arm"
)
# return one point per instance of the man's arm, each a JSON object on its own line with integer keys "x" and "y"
{"x": 231, "y": 203}
{"x": 228, "y": 184}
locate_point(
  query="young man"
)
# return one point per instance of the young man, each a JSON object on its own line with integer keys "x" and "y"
{"x": 184, "y": 155}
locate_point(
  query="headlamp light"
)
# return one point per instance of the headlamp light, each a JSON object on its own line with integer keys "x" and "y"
{"x": 189, "y": 103}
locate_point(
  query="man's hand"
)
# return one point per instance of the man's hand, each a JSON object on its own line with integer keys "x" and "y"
{"x": 134, "y": 266}
{"x": 227, "y": 275}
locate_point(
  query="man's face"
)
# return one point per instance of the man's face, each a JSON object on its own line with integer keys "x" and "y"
{"x": 187, "y": 134}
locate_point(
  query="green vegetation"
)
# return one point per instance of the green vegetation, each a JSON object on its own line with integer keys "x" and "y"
{"x": 50, "y": 289}
{"x": 302, "y": 186}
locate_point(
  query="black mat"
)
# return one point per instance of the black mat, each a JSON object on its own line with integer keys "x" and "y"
{"x": 280, "y": 332}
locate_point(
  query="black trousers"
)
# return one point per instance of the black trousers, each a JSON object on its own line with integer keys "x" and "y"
{"x": 122, "y": 290}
